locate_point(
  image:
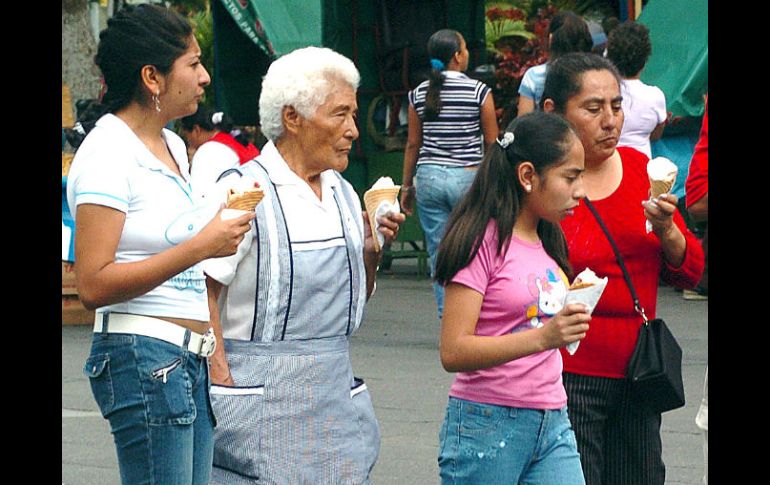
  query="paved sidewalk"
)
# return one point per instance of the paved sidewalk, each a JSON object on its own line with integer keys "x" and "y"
{"x": 396, "y": 352}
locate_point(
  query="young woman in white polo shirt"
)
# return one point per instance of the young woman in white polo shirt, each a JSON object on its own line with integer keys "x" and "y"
{"x": 139, "y": 239}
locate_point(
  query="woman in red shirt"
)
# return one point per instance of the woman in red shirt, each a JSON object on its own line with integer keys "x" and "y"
{"x": 618, "y": 440}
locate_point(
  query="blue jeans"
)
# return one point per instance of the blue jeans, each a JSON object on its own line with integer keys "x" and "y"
{"x": 438, "y": 190}
{"x": 155, "y": 396}
{"x": 484, "y": 444}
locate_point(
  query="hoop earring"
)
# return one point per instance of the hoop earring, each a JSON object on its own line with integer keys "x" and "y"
{"x": 156, "y": 101}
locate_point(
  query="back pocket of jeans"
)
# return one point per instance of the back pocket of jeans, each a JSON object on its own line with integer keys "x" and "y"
{"x": 237, "y": 433}
{"x": 97, "y": 369}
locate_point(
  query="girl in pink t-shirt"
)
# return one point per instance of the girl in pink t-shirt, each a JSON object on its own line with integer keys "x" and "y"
{"x": 504, "y": 263}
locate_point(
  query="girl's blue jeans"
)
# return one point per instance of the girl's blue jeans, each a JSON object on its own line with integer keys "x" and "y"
{"x": 438, "y": 189}
{"x": 155, "y": 396}
{"x": 485, "y": 444}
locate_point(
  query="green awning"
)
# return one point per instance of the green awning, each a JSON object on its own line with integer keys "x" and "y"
{"x": 680, "y": 54}
{"x": 278, "y": 27}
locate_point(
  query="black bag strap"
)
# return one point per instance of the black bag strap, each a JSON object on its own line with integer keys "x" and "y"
{"x": 637, "y": 305}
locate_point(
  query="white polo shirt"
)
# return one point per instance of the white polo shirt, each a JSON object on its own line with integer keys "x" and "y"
{"x": 312, "y": 223}
{"x": 113, "y": 168}
{"x": 210, "y": 160}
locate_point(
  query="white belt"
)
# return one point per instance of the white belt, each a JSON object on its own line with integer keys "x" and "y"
{"x": 202, "y": 345}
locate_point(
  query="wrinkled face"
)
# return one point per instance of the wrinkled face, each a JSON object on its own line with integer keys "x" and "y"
{"x": 327, "y": 137}
{"x": 596, "y": 114}
{"x": 558, "y": 190}
{"x": 184, "y": 85}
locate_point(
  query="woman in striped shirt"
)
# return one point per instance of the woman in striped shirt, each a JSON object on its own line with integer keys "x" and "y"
{"x": 451, "y": 123}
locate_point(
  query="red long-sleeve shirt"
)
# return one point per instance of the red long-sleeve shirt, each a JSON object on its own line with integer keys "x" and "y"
{"x": 607, "y": 347}
{"x": 697, "y": 183}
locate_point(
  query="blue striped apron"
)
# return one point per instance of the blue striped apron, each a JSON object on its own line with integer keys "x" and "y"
{"x": 298, "y": 415}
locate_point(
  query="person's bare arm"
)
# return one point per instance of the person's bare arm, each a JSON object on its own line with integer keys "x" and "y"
{"x": 461, "y": 350}
{"x": 220, "y": 370}
{"x": 657, "y": 133}
{"x": 489, "y": 121}
{"x": 413, "y": 144}
{"x": 525, "y": 105}
{"x": 101, "y": 281}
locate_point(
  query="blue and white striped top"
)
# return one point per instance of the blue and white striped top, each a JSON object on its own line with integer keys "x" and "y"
{"x": 455, "y": 138}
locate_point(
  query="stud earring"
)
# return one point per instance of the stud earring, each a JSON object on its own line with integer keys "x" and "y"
{"x": 528, "y": 188}
{"x": 156, "y": 101}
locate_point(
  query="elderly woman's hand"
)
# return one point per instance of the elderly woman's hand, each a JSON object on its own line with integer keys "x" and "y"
{"x": 389, "y": 225}
{"x": 660, "y": 212}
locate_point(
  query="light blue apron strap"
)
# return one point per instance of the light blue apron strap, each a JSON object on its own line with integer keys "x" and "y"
{"x": 355, "y": 243}
{"x": 276, "y": 272}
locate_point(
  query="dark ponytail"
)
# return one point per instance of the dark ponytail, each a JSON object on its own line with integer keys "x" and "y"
{"x": 540, "y": 138}
{"x": 442, "y": 45}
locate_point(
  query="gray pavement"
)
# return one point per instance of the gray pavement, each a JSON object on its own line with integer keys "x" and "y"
{"x": 396, "y": 352}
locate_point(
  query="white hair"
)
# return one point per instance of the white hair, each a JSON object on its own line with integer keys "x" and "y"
{"x": 303, "y": 79}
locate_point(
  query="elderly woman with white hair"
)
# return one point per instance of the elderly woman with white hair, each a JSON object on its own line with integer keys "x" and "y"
{"x": 288, "y": 408}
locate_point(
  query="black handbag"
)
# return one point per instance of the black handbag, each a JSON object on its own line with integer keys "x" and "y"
{"x": 655, "y": 368}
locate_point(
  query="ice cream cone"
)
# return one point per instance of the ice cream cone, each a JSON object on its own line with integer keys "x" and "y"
{"x": 372, "y": 200}
{"x": 662, "y": 174}
{"x": 246, "y": 201}
{"x": 658, "y": 187}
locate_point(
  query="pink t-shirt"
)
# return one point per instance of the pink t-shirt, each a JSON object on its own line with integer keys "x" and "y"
{"x": 522, "y": 287}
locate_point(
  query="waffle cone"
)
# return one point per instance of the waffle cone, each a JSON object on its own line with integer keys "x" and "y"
{"x": 372, "y": 200}
{"x": 658, "y": 187}
{"x": 246, "y": 201}
{"x": 578, "y": 285}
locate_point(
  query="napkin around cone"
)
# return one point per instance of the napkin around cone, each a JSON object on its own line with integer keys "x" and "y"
{"x": 588, "y": 296}
{"x": 372, "y": 200}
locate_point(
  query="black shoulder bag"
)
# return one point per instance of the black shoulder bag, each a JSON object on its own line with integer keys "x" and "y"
{"x": 655, "y": 368}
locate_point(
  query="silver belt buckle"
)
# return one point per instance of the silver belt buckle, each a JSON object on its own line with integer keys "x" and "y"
{"x": 208, "y": 343}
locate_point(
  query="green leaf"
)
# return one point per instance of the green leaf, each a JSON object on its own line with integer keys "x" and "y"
{"x": 517, "y": 28}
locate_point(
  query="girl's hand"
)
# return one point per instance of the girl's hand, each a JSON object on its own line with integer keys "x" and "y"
{"x": 567, "y": 326}
{"x": 221, "y": 238}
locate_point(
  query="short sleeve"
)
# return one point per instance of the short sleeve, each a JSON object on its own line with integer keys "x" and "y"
{"x": 483, "y": 92}
{"x": 102, "y": 179}
{"x": 527, "y": 86}
{"x": 412, "y": 96}
{"x": 479, "y": 271}
{"x": 210, "y": 161}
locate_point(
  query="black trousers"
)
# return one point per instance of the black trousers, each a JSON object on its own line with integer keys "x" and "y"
{"x": 619, "y": 441}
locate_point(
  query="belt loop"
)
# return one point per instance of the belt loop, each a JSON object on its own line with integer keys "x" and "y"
{"x": 187, "y": 335}
{"x": 105, "y": 321}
